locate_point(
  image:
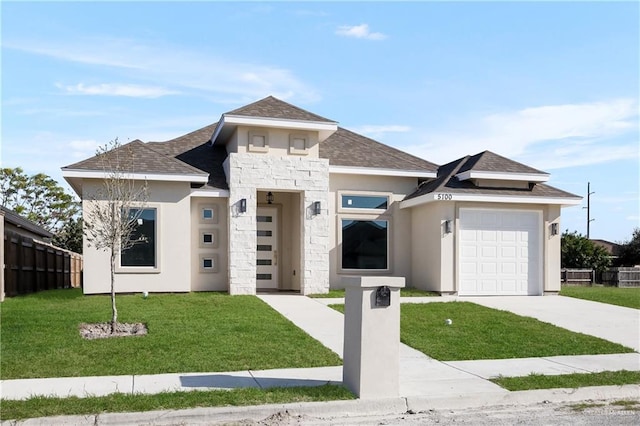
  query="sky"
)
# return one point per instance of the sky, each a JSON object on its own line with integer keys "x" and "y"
{"x": 554, "y": 85}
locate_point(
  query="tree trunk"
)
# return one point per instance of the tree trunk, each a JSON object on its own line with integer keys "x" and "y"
{"x": 114, "y": 311}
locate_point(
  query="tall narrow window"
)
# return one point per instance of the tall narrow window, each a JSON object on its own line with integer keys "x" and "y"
{"x": 365, "y": 244}
{"x": 143, "y": 251}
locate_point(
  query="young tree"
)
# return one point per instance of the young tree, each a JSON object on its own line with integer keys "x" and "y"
{"x": 580, "y": 252}
{"x": 116, "y": 206}
{"x": 39, "y": 198}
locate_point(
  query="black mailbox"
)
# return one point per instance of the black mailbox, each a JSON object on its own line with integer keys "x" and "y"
{"x": 383, "y": 296}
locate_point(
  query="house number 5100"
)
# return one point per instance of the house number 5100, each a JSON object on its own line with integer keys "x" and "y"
{"x": 445, "y": 197}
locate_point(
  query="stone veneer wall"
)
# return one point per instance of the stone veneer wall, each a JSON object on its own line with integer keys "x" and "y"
{"x": 248, "y": 173}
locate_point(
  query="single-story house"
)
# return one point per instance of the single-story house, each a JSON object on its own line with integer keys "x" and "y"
{"x": 273, "y": 197}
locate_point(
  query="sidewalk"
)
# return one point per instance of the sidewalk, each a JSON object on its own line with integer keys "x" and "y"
{"x": 420, "y": 376}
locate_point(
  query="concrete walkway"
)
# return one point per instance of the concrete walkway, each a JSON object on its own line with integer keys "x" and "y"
{"x": 420, "y": 376}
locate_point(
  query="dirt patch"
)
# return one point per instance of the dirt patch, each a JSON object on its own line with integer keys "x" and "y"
{"x": 102, "y": 330}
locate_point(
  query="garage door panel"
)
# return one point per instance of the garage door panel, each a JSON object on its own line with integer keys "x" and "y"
{"x": 499, "y": 252}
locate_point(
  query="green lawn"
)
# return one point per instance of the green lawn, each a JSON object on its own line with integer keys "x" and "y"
{"x": 404, "y": 292}
{"x": 478, "y": 332}
{"x": 194, "y": 332}
{"x": 539, "y": 381}
{"x": 45, "y": 407}
{"x": 629, "y": 297}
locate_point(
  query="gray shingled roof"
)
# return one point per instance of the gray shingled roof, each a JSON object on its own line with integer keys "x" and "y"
{"x": 20, "y": 222}
{"x": 346, "y": 148}
{"x": 488, "y": 161}
{"x": 271, "y": 107}
{"x": 146, "y": 160}
{"x": 448, "y": 182}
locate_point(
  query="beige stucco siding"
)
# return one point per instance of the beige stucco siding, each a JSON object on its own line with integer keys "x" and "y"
{"x": 217, "y": 278}
{"x": 399, "y": 221}
{"x": 173, "y": 234}
{"x": 278, "y": 140}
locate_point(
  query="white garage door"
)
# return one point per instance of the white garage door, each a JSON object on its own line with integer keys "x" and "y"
{"x": 500, "y": 252}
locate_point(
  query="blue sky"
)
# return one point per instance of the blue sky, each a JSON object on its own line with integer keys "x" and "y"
{"x": 550, "y": 84}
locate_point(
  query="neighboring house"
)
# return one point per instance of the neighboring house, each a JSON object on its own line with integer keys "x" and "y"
{"x": 613, "y": 249}
{"x": 273, "y": 197}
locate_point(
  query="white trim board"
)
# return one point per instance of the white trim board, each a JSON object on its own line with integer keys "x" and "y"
{"x": 523, "y": 177}
{"x": 348, "y": 170}
{"x": 511, "y": 199}
{"x": 95, "y": 174}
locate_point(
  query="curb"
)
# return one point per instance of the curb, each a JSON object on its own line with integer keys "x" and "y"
{"x": 349, "y": 408}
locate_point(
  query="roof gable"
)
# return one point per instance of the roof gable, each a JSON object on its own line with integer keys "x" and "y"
{"x": 488, "y": 161}
{"x": 271, "y": 107}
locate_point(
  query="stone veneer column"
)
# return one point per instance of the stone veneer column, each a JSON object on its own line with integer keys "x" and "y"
{"x": 248, "y": 173}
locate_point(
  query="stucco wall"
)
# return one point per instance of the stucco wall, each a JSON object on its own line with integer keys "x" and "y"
{"x": 173, "y": 250}
{"x": 278, "y": 141}
{"x": 309, "y": 177}
{"x": 399, "y": 221}
{"x": 216, "y": 279}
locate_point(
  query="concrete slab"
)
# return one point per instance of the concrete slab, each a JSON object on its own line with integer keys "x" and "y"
{"x": 319, "y": 321}
{"x": 491, "y": 368}
{"x": 614, "y": 323}
{"x": 598, "y": 363}
{"x": 156, "y": 383}
{"x": 298, "y": 377}
{"x": 66, "y": 386}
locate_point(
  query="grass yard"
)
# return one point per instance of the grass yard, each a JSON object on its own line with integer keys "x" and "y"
{"x": 478, "y": 332}
{"x": 539, "y": 381}
{"x": 194, "y": 332}
{"x": 404, "y": 292}
{"x": 629, "y": 297}
{"x": 45, "y": 407}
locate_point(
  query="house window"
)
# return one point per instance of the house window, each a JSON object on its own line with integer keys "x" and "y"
{"x": 208, "y": 213}
{"x": 144, "y": 238}
{"x": 371, "y": 202}
{"x": 365, "y": 244}
{"x": 209, "y": 238}
{"x": 209, "y": 263}
{"x": 258, "y": 141}
{"x": 298, "y": 144}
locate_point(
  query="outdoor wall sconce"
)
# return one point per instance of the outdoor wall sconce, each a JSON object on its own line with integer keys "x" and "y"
{"x": 243, "y": 205}
{"x": 269, "y": 197}
{"x": 448, "y": 226}
{"x": 554, "y": 229}
{"x": 317, "y": 207}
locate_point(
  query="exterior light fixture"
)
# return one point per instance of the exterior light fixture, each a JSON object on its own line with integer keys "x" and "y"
{"x": 554, "y": 229}
{"x": 269, "y": 197}
{"x": 317, "y": 207}
{"x": 448, "y": 226}
{"x": 243, "y": 205}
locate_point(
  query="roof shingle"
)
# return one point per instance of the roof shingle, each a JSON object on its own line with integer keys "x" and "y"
{"x": 271, "y": 107}
{"x": 488, "y": 161}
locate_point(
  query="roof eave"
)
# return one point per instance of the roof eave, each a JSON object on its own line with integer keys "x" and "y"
{"x": 522, "y": 177}
{"x": 166, "y": 177}
{"x": 488, "y": 198}
{"x": 372, "y": 171}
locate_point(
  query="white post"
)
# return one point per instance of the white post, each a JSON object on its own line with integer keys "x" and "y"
{"x": 372, "y": 336}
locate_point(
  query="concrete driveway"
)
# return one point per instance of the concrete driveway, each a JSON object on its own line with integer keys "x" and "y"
{"x": 614, "y": 323}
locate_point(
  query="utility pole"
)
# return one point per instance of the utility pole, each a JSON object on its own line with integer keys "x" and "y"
{"x": 589, "y": 220}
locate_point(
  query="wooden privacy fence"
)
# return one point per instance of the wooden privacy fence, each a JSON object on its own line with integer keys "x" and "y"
{"x": 622, "y": 277}
{"x": 577, "y": 276}
{"x": 32, "y": 266}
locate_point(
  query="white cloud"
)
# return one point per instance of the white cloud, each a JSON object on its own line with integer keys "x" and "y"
{"x": 546, "y": 137}
{"x": 378, "y": 131}
{"x": 176, "y": 69}
{"x": 359, "y": 31}
{"x": 634, "y": 218}
{"x": 81, "y": 149}
{"x": 106, "y": 89}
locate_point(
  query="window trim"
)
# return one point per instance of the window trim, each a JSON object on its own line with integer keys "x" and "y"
{"x": 214, "y": 259}
{"x": 214, "y": 209}
{"x": 253, "y": 148}
{"x": 214, "y": 234}
{"x": 386, "y": 218}
{"x": 158, "y": 245}
{"x": 356, "y": 210}
{"x": 296, "y": 151}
